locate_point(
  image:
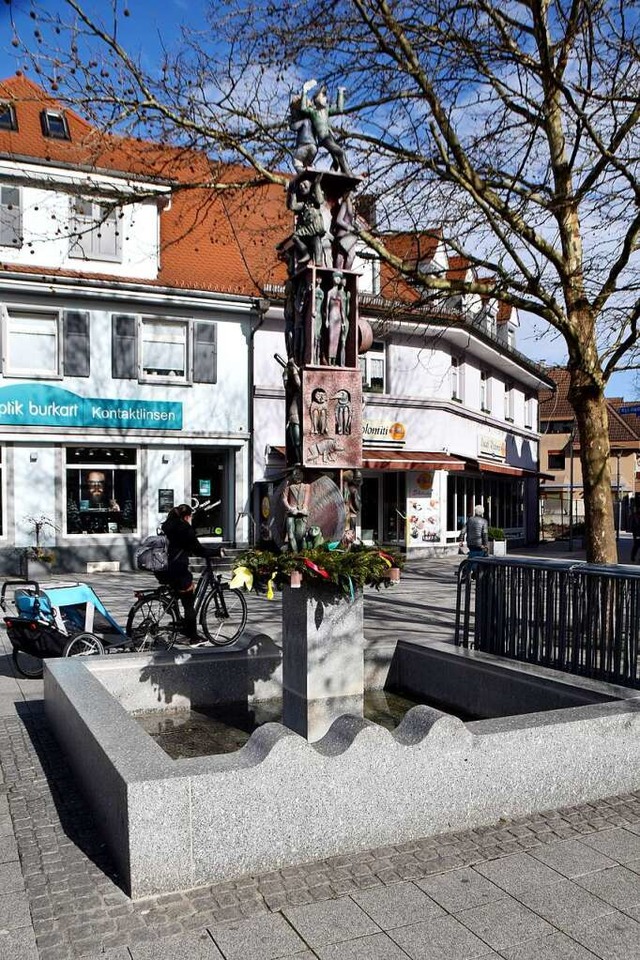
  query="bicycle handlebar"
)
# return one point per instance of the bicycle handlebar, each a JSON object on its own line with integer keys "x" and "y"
{"x": 216, "y": 553}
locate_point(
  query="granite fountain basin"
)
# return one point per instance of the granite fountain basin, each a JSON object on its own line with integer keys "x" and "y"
{"x": 280, "y": 800}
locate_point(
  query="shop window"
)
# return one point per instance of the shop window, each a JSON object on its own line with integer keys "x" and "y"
{"x": 95, "y": 230}
{"x": 54, "y": 125}
{"x": 10, "y": 217}
{"x": 101, "y": 490}
{"x": 373, "y": 366}
{"x": 503, "y": 501}
{"x": 163, "y": 350}
{"x": 8, "y": 119}
{"x": 32, "y": 344}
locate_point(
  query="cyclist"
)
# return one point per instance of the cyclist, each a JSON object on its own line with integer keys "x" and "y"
{"x": 183, "y": 543}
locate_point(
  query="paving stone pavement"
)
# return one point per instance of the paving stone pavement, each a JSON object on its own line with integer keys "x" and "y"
{"x": 560, "y": 885}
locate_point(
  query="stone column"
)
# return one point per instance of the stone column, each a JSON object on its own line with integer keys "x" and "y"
{"x": 323, "y": 658}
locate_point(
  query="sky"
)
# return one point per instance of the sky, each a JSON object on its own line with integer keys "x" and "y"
{"x": 152, "y": 23}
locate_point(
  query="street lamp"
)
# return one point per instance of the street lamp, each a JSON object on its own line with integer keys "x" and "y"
{"x": 571, "y": 439}
{"x": 618, "y": 495}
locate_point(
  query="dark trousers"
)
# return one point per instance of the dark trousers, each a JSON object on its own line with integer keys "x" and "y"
{"x": 635, "y": 548}
{"x": 190, "y": 625}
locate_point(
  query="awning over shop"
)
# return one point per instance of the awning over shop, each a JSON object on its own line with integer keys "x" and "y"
{"x": 490, "y": 466}
{"x": 375, "y": 459}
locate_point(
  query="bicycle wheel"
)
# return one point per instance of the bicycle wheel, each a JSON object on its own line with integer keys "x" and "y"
{"x": 224, "y": 615}
{"x": 151, "y": 623}
{"x": 27, "y": 665}
{"x": 83, "y": 645}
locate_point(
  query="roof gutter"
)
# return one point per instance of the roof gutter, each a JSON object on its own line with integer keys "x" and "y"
{"x": 15, "y": 282}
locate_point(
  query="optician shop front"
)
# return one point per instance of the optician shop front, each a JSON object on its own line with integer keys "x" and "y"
{"x": 100, "y": 473}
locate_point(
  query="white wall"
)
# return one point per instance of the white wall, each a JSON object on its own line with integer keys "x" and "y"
{"x": 46, "y": 231}
{"x": 34, "y": 491}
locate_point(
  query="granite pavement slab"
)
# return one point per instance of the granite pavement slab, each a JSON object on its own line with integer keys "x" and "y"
{"x": 572, "y": 858}
{"x": 397, "y": 905}
{"x": 261, "y": 938}
{"x": 443, "y": 939}
{"x": 613, "y": 937}
{"x": 330, "y": 921}
{"x": 504, "y": 923}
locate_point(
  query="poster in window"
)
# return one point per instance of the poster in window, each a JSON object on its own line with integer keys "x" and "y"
{"x": 423, "y": 510}
{"x": 204, "y": 488}
{"x": 165, "y": 501}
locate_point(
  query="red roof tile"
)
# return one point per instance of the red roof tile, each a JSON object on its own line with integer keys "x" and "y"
{"x": 212, "y": 239}
{"x": 623, "y": 429}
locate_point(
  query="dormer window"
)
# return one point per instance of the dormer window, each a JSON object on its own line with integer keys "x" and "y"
{"x": 8, "y": 120}
{"x": 54, "y": 125}
{"x": 95, "y": 233}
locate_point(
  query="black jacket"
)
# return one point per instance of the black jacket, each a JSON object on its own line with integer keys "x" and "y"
{"x": 183, "y": 544}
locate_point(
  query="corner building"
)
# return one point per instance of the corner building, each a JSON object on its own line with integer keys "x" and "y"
{"x": 127, "y": 312}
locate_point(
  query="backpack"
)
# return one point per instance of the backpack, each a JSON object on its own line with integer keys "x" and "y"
{"x": 153, "y": 554}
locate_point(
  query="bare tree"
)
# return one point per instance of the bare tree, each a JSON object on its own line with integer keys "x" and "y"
{"x": 512, "y": 128}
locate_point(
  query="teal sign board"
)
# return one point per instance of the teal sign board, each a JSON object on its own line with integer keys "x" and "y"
{"x": 40, "y": 405}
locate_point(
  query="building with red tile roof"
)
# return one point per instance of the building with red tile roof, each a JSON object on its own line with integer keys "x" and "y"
{"x": 562, "y": 492}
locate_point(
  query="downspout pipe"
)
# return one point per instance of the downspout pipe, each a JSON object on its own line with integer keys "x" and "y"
{"x": 261, "y": 308}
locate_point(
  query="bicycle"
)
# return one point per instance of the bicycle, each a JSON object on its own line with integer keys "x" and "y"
{"x": 155, "y": 619}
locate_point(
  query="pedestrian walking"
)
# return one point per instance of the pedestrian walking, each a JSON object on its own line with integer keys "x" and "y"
{"x": 476, "y": 532}
{"x": 635, "y": 532}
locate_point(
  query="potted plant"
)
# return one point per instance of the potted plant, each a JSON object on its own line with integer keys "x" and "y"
{"x": 37, "y": 560}
{"x": 497, "y": 542}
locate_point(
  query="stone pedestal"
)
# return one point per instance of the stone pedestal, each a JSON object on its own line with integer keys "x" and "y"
{"x": 322, "y": 659}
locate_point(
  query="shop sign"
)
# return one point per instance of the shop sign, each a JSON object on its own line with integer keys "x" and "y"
{"x": 384, "y": 431}
{"x": 492, "y": 445}
{"x": 41, "y": 405}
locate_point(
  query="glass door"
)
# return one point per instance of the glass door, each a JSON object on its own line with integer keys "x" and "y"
{"x": 209, "y": 485}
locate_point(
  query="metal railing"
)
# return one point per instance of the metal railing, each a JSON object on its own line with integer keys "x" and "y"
{"x": 580, "y": 618}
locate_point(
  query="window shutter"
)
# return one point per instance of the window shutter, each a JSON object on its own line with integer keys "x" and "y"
{"x": 124, "y": 347}
{"x": 10, "y": 217}
{"x": 77, "y": 344}
{"x": 205, "y": 350}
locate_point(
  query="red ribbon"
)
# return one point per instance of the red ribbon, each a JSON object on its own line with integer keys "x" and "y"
{"x": 316, "y": 569}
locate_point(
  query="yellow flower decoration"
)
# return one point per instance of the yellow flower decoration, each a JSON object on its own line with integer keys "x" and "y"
{"x": 242, "y": 577}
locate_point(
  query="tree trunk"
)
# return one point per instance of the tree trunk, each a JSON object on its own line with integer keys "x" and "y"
{"x": 590, "y": 408}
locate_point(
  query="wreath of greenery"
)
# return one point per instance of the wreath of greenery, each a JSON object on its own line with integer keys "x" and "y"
{"x": 346, "y": 568}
